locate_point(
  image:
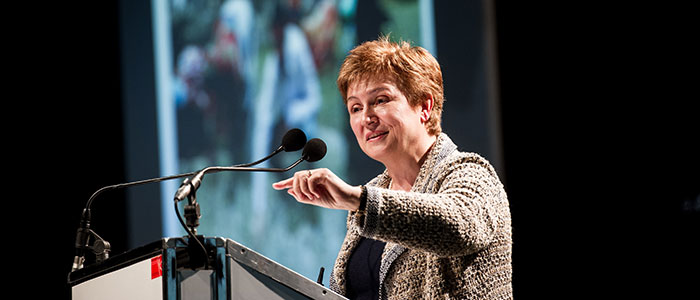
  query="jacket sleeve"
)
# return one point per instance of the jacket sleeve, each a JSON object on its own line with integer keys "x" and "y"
{"x": 461, "y": 216}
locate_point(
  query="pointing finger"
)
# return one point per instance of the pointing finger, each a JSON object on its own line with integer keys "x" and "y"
{"x": 284, "y": 184}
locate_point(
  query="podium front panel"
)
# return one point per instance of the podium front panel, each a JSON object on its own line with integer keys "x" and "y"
{"x": 136, "y": 281}
{"x": 159, "y": 270}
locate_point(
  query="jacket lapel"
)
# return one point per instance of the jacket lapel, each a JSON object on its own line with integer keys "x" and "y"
{"x": 424, "y": 183}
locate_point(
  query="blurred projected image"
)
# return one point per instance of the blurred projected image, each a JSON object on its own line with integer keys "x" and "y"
{"x": 244, "y": 73}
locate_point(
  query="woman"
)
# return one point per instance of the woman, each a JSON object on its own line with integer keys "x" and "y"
{"x": 436, "y": 223}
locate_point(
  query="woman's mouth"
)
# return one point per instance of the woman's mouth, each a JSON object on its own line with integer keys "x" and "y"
{"x": 376, "y": 136}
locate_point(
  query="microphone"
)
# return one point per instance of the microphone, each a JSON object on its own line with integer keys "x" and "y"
{"x": 314, "y": 150}
{"x": 293, "y": 140}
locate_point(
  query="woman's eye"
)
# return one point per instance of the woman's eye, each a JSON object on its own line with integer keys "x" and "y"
{"x": 382, "y": 100}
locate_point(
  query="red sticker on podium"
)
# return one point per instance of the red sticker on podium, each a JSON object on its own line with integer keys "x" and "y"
{"x": 156, "y": 266}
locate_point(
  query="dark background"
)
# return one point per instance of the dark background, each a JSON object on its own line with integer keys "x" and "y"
{"x": 599, "y": 140}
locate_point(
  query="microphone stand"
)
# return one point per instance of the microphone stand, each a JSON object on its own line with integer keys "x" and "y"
{"x": 101, "y": 247}
{"x": 314, "y": 150}
{"x": 192, "y": 209}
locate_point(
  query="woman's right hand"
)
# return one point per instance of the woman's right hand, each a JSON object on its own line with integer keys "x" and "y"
{"x": 321, "y": 187}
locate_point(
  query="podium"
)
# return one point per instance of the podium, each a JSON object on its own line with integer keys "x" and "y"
{"x": 163, "y": 270}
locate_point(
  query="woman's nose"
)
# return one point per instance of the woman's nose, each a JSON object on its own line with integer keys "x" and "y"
{"x": 369, "y": 118}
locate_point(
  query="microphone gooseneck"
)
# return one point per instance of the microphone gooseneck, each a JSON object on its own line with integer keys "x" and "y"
{"x": 293, "y": 140}
{"x": 314, "y": 150}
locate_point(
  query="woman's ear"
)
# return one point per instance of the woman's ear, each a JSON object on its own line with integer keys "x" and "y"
{"x": 426, "y": 108}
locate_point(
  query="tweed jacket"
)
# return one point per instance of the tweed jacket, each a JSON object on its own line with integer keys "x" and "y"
{"x": 448, "y": 238}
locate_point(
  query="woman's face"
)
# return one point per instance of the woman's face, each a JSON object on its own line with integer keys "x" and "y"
{"x": 384, "y": 123}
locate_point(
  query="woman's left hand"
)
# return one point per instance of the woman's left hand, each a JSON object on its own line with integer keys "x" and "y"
{"x": 321, "y": 187}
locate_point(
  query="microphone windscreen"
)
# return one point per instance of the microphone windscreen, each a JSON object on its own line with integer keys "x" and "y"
{"x": 314, "y": 150}
{"x": 293, "y": 140}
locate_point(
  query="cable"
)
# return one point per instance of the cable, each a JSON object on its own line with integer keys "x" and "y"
{"x": 192, "y": 236}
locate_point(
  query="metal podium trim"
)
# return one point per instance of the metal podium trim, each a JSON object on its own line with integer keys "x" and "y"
{"x": 278, "y": 272}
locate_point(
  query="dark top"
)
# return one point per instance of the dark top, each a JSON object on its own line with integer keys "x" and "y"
{"x": 363, "y": 270}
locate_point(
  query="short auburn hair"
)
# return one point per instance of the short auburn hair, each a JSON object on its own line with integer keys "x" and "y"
{"x": 414, "y": 71}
